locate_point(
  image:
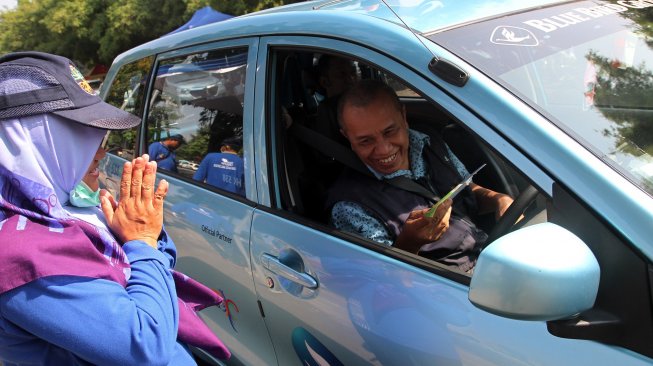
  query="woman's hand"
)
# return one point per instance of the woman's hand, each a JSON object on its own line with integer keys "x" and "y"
{"x": 139, "y": 214}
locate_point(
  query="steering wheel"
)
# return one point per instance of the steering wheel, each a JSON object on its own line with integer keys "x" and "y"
{"x": 512, "y": 214}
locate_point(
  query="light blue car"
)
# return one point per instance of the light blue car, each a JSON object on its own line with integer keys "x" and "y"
{"x": 556, "y": 97}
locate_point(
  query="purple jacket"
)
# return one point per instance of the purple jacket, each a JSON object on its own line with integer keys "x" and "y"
{"x": 38, "y": 249}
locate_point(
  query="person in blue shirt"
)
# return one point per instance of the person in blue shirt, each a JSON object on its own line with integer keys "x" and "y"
{"x": 224, "y": 169}
{"x": 83, "y": 285}
{"x": 163, "y": 152}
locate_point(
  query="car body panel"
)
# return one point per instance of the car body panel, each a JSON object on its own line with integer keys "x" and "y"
{"x": 371, "y": 310}
{"x": 219, "y": 230}
{"x": 331, "y": 24}
{"x": 212, "y": 236}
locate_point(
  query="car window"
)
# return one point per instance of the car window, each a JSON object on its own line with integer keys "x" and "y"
{"x": 313, "y": 153}
{"x": 308, "y": 85}
{"x": 195, "y": 118}
{"x": 127, "y": 92}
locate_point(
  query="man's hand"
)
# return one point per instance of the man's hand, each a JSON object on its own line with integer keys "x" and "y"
{"x": 419, "y": 230}
{"x": 139, "y": 214}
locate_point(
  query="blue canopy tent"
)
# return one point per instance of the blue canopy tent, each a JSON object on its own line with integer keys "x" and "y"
{"x": 203, "y": 16}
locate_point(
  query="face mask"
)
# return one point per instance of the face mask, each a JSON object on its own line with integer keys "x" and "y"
{"x": 83, "y": 196}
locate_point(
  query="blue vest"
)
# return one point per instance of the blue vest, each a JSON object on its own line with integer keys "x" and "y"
{"x": 222, "y": 170}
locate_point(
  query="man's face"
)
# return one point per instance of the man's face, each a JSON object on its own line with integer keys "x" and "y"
{"x": 378, "y": 134}
{"x": 173, "y": 144}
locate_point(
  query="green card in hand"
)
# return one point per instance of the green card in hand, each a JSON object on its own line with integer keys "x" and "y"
{"x": 453, "y": 193}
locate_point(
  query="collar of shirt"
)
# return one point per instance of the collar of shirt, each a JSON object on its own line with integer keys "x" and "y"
{"x": 416, "y": 143}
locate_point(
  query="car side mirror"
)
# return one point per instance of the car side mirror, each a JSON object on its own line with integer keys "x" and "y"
{"x": 541, "y": 272}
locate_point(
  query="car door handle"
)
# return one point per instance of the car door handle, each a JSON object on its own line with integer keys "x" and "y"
{"x": 274, "y": 265}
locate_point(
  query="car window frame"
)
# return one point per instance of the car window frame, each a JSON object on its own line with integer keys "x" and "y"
{"x": 107, "y": 88}
{"x": 251, "y": 43}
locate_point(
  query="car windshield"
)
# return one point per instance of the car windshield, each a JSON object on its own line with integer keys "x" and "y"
{"x": 588, "y": 66}
{"x": 426, "y": 15}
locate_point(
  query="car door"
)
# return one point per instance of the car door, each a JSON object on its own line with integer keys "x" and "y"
{"x": 203, "y": 94}
{"x": 334, "y": 298}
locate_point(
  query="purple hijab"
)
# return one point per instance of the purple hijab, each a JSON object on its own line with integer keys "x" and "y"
{"x": 38, "y": 167}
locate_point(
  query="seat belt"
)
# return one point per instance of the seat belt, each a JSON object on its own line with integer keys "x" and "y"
{"x": 328, "y": 147}
{"x": 346, "y": 156}
{"x": 410, "y": 185}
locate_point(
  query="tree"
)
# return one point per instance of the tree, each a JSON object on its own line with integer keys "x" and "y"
{"x": 623, "y": 93}
{"x": 622, "y": 96}
{"x": 96, "y": 31}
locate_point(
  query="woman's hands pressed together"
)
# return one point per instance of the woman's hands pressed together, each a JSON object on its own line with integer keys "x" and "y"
{"x": 139, "y": 213}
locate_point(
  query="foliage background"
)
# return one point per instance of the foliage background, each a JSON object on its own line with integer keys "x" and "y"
{"x": 94, "y": 32}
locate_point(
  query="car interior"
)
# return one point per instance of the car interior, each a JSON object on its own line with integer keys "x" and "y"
{"x": 310, "y": 161}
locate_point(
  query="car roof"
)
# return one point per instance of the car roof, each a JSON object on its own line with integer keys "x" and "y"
{"x": 337, "y": 19}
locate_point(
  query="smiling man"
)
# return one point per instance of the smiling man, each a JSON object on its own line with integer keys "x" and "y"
{"x": 374, "y": 121}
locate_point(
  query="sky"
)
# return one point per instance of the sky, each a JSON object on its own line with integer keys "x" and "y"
{"x": 7, "y": 4}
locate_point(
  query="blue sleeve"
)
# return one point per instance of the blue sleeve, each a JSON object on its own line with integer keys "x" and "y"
{"x": 99, "y": 320}
{"x": 152, "y": 150}
{"x": 168, "y": 248}
{"x": 200, "y": 174}
{"x": 353, "y": 218}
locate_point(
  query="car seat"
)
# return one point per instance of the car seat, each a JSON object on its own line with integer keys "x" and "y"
{"x": 305, "y": 190}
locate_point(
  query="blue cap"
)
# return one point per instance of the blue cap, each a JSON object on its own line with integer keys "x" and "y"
{"x": 36, "y": 82}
